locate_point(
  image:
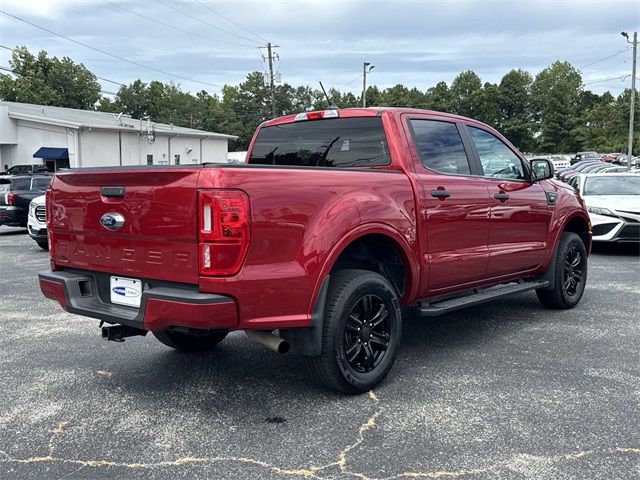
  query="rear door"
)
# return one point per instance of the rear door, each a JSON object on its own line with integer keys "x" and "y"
{"x": 520, "y": 214}
{"x": 454, "y": 226}
{"x": 158, "y": 236}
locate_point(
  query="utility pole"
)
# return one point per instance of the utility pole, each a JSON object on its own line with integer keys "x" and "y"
{"x": 366, "y": 68}
{"x": 272, "y": 79}
{"x": 633, "y": 96}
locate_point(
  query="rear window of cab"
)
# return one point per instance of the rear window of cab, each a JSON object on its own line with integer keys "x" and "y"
{"x": 330, "y": 143}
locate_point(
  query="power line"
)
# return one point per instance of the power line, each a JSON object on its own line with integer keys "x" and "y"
{"x": 110, "y": 81}
{"x": 108, "y": 53}
{"x": 621, "y": 77}
{"x": 174, "y": 27}
{"x": 231, "y": 21}
{"x": 101, "y": 78}
{"x": 203, "y": 21}
{"x": 605, "y": 58}
{"x": 352, "y": 81}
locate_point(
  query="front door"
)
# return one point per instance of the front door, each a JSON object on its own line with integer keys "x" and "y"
{"x": 520, "y": 214}
{"x": 454, "y": 221}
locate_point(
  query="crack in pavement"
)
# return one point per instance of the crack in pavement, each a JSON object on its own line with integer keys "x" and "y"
{"x": 313, "y": 471}
{"x": 309, "y": 472}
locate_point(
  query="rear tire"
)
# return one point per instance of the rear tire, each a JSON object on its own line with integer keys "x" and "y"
{"x": 189, "y": 342}
{"x": 361, "y": 332}
{"x": 570, "y": 276}
{"x": 43, "y": 244}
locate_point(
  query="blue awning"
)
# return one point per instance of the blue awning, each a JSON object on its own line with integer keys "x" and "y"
{"x": 52, "y": 153}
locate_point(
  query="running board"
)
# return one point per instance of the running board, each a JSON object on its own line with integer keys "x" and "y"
{"x": 445, "y": 306}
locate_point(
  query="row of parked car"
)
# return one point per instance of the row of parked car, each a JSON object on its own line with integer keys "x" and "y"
{"x": 614, "y": 158}
{"x": 610, "y": 191}
{"x": 22, "y": 200}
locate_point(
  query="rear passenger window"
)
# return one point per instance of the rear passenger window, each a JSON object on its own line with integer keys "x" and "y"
{"x": 440, "y": 146}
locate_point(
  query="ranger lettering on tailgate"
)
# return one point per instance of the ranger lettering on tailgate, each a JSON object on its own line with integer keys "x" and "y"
{"x": 67, "y": 251}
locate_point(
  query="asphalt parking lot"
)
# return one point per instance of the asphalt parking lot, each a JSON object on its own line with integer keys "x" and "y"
{"x": 508, "y": 390}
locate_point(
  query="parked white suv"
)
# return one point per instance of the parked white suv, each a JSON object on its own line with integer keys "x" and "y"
{"x": 36, "y": 222}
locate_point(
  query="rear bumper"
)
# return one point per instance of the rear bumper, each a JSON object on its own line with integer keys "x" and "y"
{"x": 83, "y": 293}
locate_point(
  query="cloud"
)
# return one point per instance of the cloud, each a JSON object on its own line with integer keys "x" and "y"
{"x": 417, "y": 43}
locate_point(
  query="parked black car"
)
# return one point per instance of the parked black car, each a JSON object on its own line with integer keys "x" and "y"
{"x": 16, "y": 192}
{"x": 26, "y": 170}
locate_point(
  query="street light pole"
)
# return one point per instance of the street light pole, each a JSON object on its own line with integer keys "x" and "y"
{"x": 366, "y": 68}
{"x": 633, "y": 96}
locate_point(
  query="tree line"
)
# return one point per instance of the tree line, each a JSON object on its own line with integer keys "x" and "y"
{"x": 549, "y": 112}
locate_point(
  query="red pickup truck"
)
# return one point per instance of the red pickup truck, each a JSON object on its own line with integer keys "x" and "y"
{"x": 339, "y": 221}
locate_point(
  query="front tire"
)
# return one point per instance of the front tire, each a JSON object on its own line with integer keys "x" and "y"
{"x": 43, "y": 244}
{"x": 361, "y": 332}
{"x": 190, "y": 342}
{"x": 570, "y": 275}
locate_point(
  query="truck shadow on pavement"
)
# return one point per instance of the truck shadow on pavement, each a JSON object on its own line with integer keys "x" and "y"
{"x": 239, "y": 364}
{"x": 13, "y": 231}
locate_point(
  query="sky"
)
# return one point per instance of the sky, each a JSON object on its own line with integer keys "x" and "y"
{"x": 204, "y": 44}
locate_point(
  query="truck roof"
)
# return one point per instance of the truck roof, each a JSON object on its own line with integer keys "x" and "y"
{"x": 370, "y": 112}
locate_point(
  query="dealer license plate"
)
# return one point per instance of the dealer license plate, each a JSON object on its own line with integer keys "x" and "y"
{"x": 126, "y": 291}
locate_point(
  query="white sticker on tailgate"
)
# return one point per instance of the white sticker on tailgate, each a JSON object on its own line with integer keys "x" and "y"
{"x": 126, "y": 291}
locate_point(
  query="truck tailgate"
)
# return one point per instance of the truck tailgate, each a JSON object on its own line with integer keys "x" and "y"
{"x": 158, "y": 239}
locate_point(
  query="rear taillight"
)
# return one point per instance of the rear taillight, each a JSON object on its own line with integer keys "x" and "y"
{"x": 10, "y": 198}
{"x": 223, "y": 227}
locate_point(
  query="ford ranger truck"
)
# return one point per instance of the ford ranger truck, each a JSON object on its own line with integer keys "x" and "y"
{"x": 339, "y": 221}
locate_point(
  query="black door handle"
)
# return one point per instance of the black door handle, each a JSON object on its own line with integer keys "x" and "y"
{"x": 440, "y": 193}
{"x": 501, "y": 196}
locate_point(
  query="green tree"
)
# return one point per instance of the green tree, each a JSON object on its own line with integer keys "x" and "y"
{"x": 556, "y": 99}
{"x": 401, "y": 96}
{"x": 601, "y": 128}
{"x": 49, "y": 81}
{"x": 465, "y": 94}
{"x": 487, "y": 101}
{"x": 514, "y": 103}
{"x": 374, "y": 97}
{"x": 623, "y": 103}
{"x": 158, "y": 101}
{"x": 438, "y": 98}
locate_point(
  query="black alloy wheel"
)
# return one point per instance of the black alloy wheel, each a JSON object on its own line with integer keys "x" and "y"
{"x": 572, "y": 273}
{"x": 366, "y": 334}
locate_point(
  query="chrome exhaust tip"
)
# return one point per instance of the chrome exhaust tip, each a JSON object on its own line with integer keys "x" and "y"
{"x": 269, "y": 340}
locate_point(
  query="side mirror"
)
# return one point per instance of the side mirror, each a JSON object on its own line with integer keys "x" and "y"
{"x": 541, "y": 169}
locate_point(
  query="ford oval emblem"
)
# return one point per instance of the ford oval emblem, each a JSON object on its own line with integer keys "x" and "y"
{"x": 112, "y": 220}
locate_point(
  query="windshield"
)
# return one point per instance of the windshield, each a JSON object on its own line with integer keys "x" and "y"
{"x": 20, "y": 169}
{"x": 40, "y": 183}
{"x": 614, "y": 185}
{"x": 340, "y": 142}
{"x": 15, "y": 184}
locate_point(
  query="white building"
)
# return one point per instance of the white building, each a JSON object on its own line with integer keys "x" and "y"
{"x": 65, "y": 137}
